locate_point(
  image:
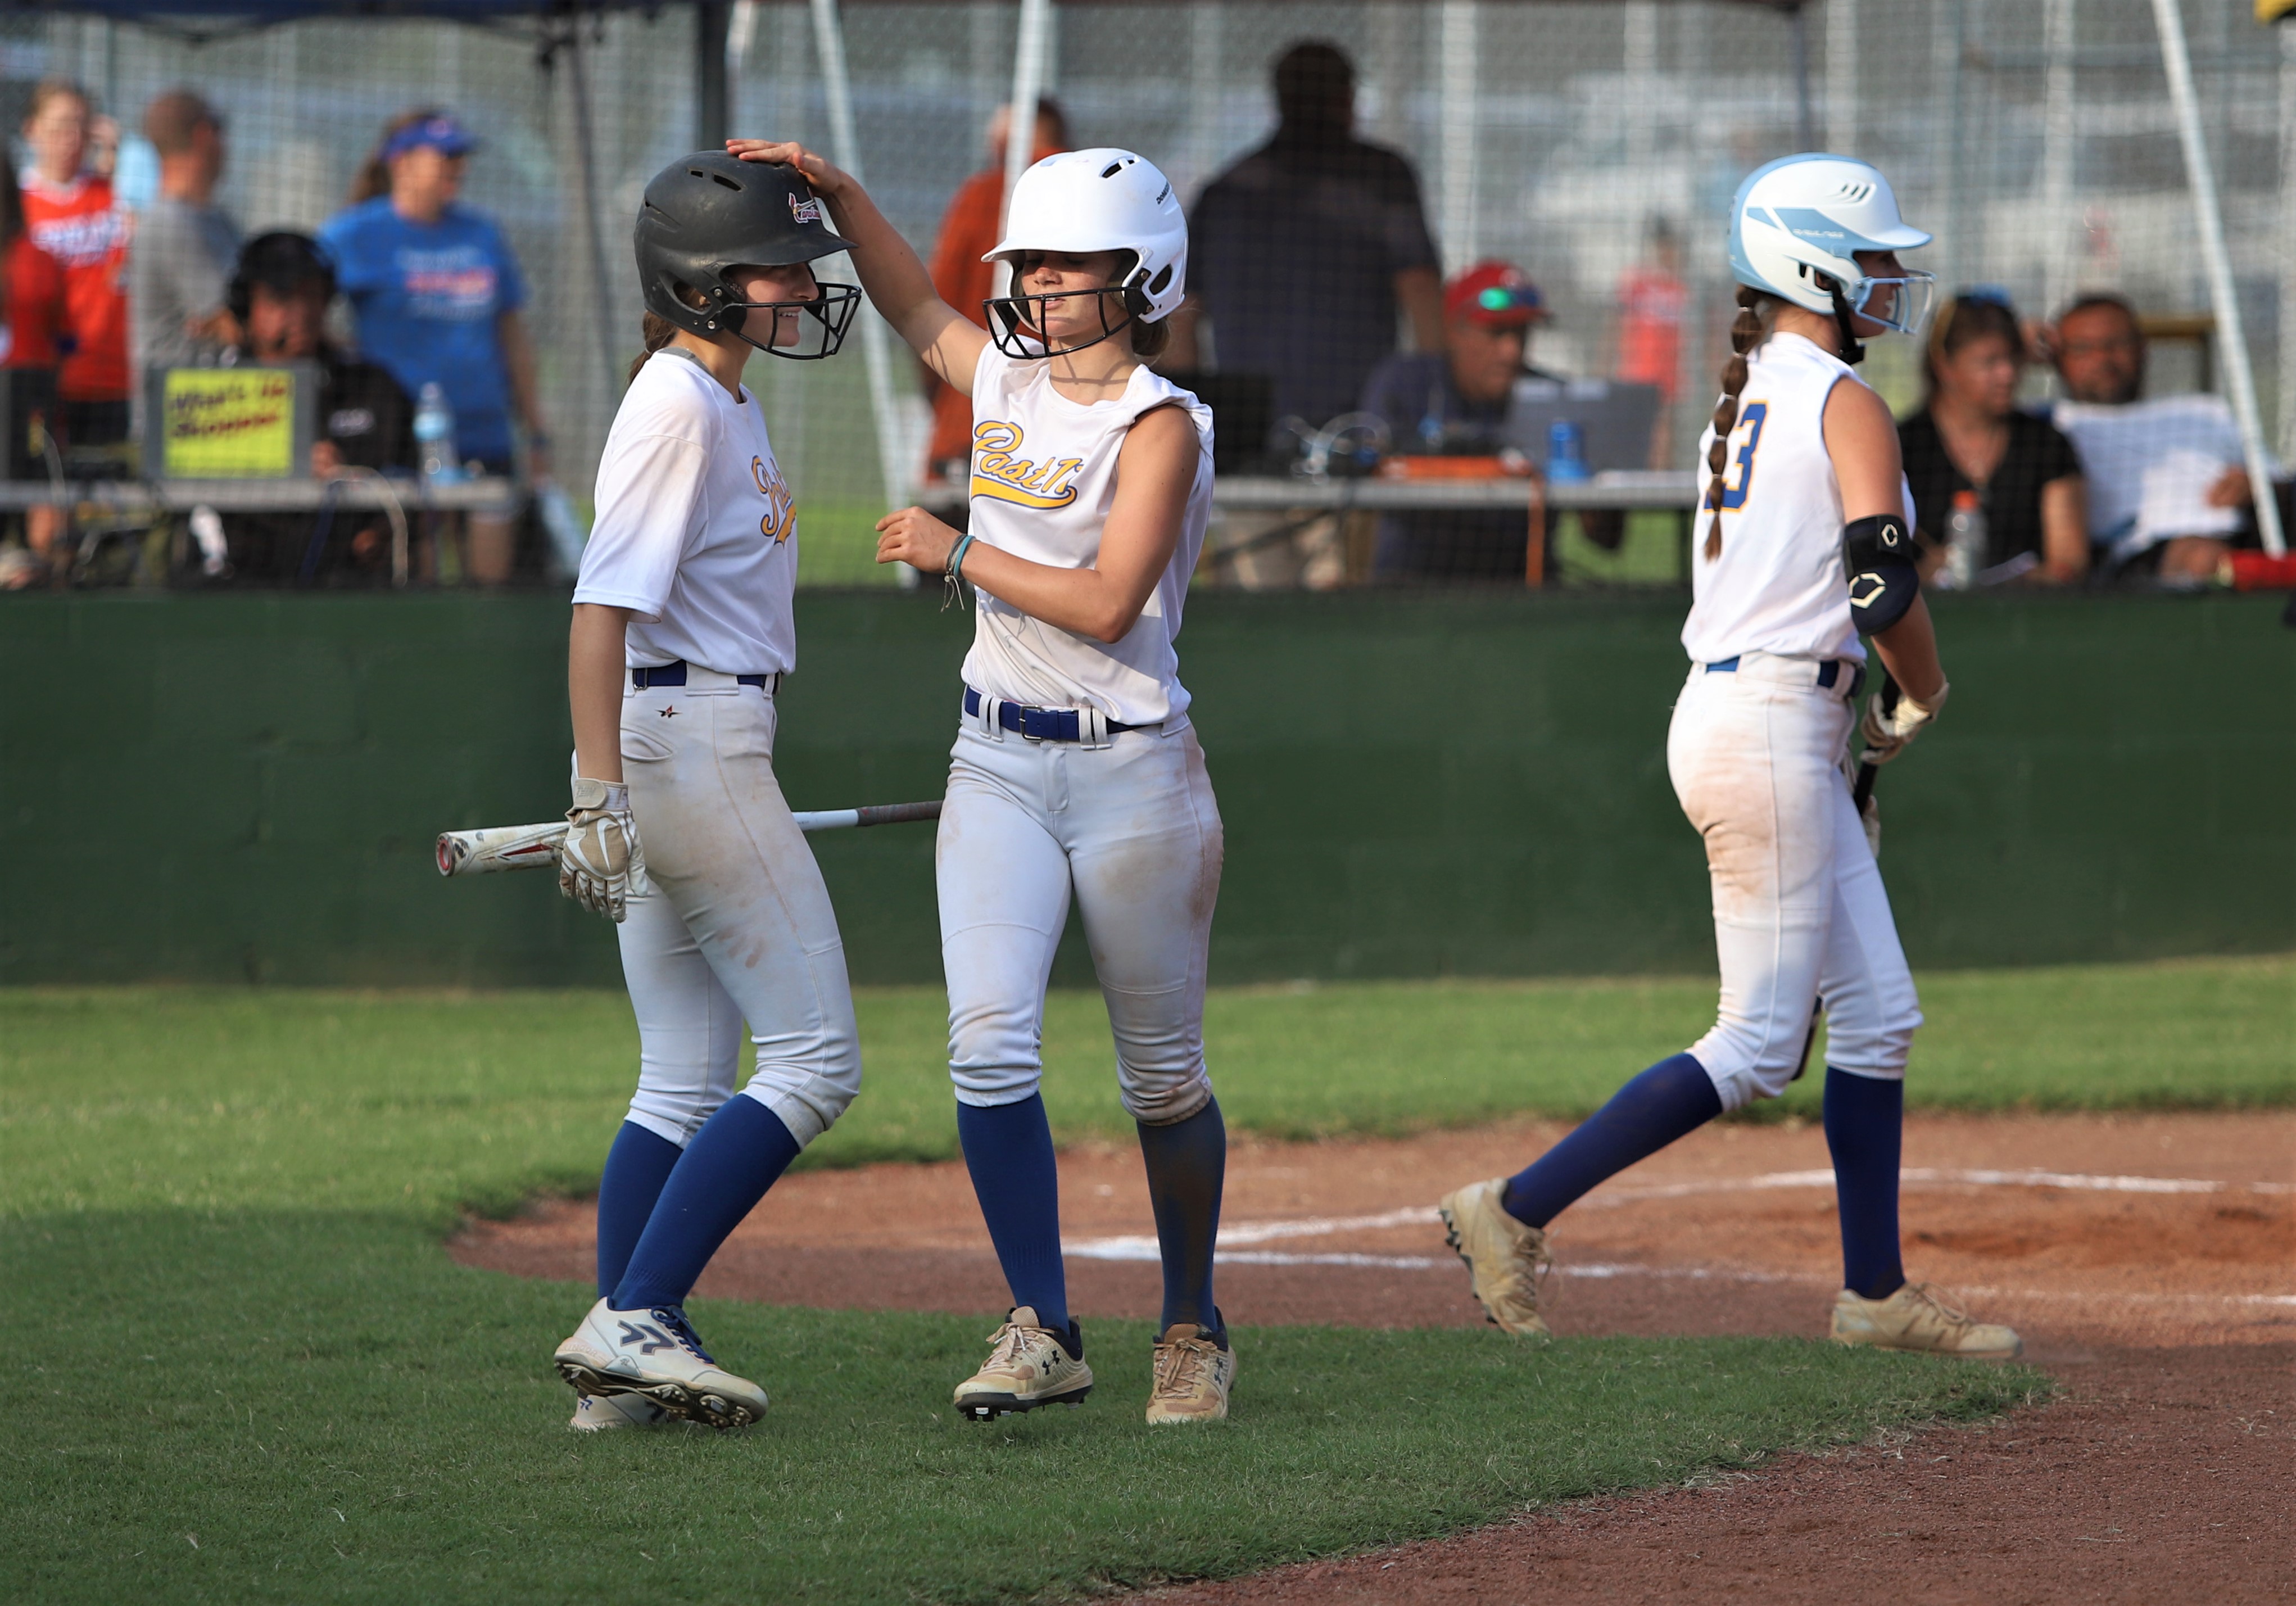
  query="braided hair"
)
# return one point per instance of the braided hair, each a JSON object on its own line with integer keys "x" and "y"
{"x": 1749, "y": 330}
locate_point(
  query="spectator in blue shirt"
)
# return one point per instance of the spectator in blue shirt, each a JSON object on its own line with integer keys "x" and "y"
{"x": 438, "y": 292}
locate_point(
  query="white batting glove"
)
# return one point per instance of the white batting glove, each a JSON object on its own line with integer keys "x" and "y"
{"x": 1886, "y": 734}
{"x": 601, "y": 865}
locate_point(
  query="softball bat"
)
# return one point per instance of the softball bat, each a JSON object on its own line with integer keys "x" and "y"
{"x": 493, "y": 847}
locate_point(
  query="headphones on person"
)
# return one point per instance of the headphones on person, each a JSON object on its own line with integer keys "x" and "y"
{"x": 282, "y": 261}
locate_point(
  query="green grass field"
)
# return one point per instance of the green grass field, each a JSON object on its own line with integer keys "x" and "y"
{"x": 246, "y": 1370}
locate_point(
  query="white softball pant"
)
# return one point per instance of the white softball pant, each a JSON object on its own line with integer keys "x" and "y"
{"x": 735, "y": 923}
{"x": 1800, "y": 912}
{"x": 1133, "y": 828}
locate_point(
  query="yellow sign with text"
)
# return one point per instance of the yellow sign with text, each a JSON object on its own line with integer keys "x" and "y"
{"x": 227, "y": 423}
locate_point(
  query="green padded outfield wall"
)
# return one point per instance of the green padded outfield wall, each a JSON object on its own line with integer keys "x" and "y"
{"x": 247, "y": 786}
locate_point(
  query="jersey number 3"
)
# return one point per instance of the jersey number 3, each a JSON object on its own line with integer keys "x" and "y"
{"x": 1734, "y": 496}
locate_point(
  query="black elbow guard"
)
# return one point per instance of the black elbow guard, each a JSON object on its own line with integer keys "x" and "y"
{"x": 1878, "y": 555}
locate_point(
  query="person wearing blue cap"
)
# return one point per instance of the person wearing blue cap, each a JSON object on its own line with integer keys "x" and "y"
{"x": 438, "y": 293}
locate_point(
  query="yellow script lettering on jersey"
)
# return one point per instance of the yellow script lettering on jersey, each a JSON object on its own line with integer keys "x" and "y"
{"x": 780, "y": 521}
{"x": 999, "y": 475}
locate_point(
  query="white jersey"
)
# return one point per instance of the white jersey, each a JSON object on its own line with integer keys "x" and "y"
{"x": 1778, "y": 586}
{"x": 1044, "y": 479}
{"x": 696, "y": 532}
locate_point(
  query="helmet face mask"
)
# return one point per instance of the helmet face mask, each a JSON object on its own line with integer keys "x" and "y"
{"x": 1018, "y": 323}
{"x": 815, "y": 326}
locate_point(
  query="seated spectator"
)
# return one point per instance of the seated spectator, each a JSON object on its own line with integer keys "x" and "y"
{"x": 437, "y": 292}
{"x": 31, "y": 326}
{"x": 1452, "y": 402}
{"x": 1969, "y": 436}
{"x": 968, "y": 232}
{"x": 184, "y": 244}
{"x": 2167, "y": 485}
{"x": 1302, "y": 254}
{"x": 70, "y": 210}
{"x": 278, "y": 298}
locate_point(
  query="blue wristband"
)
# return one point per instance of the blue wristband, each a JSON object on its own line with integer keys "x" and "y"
{"x": 957, "y": 556}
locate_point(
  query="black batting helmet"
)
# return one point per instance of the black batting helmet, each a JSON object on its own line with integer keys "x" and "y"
{"x": 707, "y": 213}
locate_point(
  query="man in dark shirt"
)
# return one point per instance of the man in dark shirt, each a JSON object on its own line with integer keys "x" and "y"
{"x": 1453, "y": 403}
{"x": 1301, "y": 253}
{"x": 280, "y": 293}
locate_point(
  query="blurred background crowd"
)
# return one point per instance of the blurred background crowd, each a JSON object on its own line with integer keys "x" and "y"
{"x": 1433, "y": 242}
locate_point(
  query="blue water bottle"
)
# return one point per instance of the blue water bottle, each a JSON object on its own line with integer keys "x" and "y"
{"x": 1566, "y": 452}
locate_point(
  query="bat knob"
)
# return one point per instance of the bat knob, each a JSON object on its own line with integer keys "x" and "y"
{"x": 446, "y": 853}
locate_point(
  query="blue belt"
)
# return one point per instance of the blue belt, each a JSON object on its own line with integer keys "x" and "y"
{"x": 674, "y": 674}
{"x": 1829, "y": 673}
{"x": 1037, "y": 724}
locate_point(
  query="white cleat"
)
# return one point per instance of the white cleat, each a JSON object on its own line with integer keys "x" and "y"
{"x": 604, "y": 1412}
{"x": 656, "y": 1355}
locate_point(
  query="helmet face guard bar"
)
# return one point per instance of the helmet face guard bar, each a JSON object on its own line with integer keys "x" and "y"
{"x": 1016, "y": 323}
{"x": 821, "y": 323}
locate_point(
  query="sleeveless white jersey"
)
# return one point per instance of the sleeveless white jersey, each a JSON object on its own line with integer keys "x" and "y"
{"x": 1044, "y": 480}
{"x": 1778, "y": 586}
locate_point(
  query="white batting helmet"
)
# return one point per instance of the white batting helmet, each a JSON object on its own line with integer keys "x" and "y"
{"x": 1803, "y": 216}
{"x": 1105, "y": 200}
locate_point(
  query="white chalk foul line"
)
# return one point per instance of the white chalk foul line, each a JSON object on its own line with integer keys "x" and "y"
{"x": 1144, "y": 1249}
{"x": 1238, "y": 1235}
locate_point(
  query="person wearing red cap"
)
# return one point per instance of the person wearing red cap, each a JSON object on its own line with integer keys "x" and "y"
{"x": 1452, "y": 402}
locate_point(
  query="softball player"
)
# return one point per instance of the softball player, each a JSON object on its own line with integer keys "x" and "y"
{"x": 682, "y": 634}
{"x": 1075, "y": 765}
{"x": 1810, "y": 544}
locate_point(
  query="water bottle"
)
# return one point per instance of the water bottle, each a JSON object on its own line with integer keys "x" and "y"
{"x": 434, "y": 436}
{"x": 1566, "y": 452}
{"x": 1964, "y": 543}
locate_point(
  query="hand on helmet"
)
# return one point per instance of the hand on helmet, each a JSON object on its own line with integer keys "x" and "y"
{"x": 825, "y": 176}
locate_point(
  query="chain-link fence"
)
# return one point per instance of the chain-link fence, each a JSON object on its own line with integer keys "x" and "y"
{"x": 2034, "y": 136}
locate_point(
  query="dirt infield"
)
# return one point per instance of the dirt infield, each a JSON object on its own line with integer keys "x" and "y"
{"x": 2149, "y": 1260}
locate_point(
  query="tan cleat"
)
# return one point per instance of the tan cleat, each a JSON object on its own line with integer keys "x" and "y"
{"x": 1029, "y": 1365}
{"x": 1914, "y": 1318}
{"x": 1505, "y": 1258}
{"x": 1192, "y": 1377}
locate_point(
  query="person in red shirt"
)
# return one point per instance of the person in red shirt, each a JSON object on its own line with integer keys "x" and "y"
{"x": 31, "y": 321}
{"x": 71, "y": 215}
{"x": 968, "y": 232}
{"x": 1653, "y": 303}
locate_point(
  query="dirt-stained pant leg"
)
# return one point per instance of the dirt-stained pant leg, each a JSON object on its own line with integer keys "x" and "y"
{"x": 725, "y": 854}
{"x": 689, "y": 1030}
{"x": 1871, "y": 1007}
{"x": 1145, "y": 847}
{"x": 1753, "y": 761}
{"x": 1002, "y": 881}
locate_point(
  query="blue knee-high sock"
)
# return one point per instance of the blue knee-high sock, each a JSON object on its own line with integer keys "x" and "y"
{"x": 1008, "y": 1148}
{"x": 1673, "y": 1097}
{"x": 1864, "y": 1128}
{"x": 636, "y": 1167}
{"x": 719, "y": 1179}
{"x": 1187, "y": 1162}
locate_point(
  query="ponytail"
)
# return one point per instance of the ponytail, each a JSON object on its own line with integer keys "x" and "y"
{"x": 1749, "y": 330}
{"x": 656, "y": 331}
